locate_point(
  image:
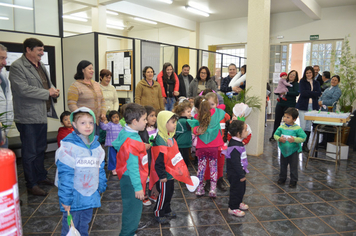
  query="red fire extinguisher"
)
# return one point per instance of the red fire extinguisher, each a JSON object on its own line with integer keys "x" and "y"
{"x": 10, "y": 215}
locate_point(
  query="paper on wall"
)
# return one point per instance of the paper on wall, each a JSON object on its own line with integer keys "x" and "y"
{"x": 12, "y": 56}
{"x": 276, "y": 78}
{"x": 277, "y": 67}
{"x": 44, "y": 58}
{"x": 122, "y": 87}
{"x": 127, "y": 63}
{"x": 127, "y": 79}
{"x": 127, "y": 71}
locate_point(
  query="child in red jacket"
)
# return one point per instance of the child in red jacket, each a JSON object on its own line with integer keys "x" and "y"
{"x": 66, "y": 129}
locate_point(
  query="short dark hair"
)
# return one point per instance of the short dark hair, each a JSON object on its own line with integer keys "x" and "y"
{"x": 31, "y": 43}
{"x": 207, "y": 73}
{"x": 305, "y": 72}
{"x": 150, "y": 109}
{"x": 232, "y": 64}
{"x": 185, "y": 65}
{"x": 65, "y": 113}
{"x": 145, "y": 70}
{"x": 133, "y": 111}
{"x": 244, "y": 67}
{"x": 292, "y": 112}
{"x": 296, "y": 79}
{"x": 338, "y": 77}
{"x": 104, "y": 72}
{"x": 113, "y": 112}
{"x": 235, "y": 127}
{"x": 326, "y": 74}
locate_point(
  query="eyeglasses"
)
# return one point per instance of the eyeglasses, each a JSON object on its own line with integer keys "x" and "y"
{"x": 203, "y": 73}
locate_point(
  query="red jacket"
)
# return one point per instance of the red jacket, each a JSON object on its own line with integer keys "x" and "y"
{"x": 160, "y": 81}
{"x": 62, "y": 133}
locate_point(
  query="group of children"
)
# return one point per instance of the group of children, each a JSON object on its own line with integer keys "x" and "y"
{"x": 145, "y": 149}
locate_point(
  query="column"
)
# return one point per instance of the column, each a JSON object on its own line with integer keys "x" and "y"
{"x": 257, "y": 68}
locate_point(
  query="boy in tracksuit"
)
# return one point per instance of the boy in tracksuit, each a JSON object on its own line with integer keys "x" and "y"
{"x": 132, "y": 167}
{"x": 80, "y": 175}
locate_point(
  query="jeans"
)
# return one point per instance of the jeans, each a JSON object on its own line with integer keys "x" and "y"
{"x": 81, "y": 220}
{"x": 112, "y": 158}
{"x": 34, "y": 143}
{"x": 170, "y": 103}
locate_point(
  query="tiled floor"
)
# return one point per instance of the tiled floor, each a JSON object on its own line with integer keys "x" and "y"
{"x": 324, "y": 203}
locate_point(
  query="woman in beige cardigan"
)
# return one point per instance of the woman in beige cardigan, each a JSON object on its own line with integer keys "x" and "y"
{"x": 109, "y": 91}
{"x": 148, "y": 91}
{"x": 85, "y": 92}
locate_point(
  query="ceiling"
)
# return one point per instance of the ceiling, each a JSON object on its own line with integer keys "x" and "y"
{"x": 218, "y": 10}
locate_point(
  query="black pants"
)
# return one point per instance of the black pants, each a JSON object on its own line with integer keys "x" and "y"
{"x": 33, "y": 146}
{"x": 237, "y": 191}
{"x": 292, "y": 160}
{"x": 163, "y": 204}
{"x": 185, "y": 154}
{"x": 278, "y": 115}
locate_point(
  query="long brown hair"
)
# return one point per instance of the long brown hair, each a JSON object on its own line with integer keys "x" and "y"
{"x": 165, "y": 75}
{"x": 204, "y": 115}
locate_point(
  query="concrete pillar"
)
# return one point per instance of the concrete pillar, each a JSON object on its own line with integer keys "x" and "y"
{"x": 257, "y": 68}
{"x": 98, "y": 19}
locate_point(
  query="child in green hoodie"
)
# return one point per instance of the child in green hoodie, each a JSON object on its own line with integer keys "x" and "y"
{"x": 132, "y": 167}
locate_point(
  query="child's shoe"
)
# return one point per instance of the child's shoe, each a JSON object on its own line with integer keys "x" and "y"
{"x": 170, "y": 214}
{"x": 281, "y": 181}
{"x": 292, "y": 184}
{"x": 146, "y": 202}
{"x": 212, "y": 193}
{"x": 284, "y": 98}
{"x": 237, "y": 212}
{"x": 153, "y": 198}
{"x": 278, "y": 100}
{"x": 162, "y": 220}
{"x": 221, "y": 184}
{"x": 114, "y": 172}
{"x": 200, "y": 190}
{"x": 243, "y": 206}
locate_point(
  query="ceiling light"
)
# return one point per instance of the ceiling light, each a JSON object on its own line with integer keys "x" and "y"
{"x": 4, "y": 18}
{"x": 115, "y": 27}
{"x": 16, "y": 6}
{"x": 112, "y": 13}
{"x": 167, "y": 1}
{"x": 75, "y": 18}
{"x": 196, "y": 11}
{"x": 146, "y": 21}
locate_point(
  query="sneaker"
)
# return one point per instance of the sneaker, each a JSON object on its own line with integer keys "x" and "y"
{"x": 153, "y": 198}
{"x": 281, "y": 181}
{"x": 146, "y": 202}
{"x": 170, "y": 214}
{"x": 141, "y": 225}
{"x": 243, "y": 206}
{"x": 293, "y": 184}
{"x": 237, "y": 212}
{"x": 162, "y": 220}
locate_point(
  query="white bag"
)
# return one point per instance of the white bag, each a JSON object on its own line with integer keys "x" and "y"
{"x": 269, "y": 107}
{"x": 72, "y": 230}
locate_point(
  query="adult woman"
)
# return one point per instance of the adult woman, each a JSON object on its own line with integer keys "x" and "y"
{"x": 291, "y": 96}
{"x": 85, "y": 92}
{"x": 331, "y": 95}
{"x": 201, "y": 82}
{"x": 148, "y": 91}
{"x": 308, "y": 100}
{"x": 109, "y": 91}
{"x": 169, "y": 85}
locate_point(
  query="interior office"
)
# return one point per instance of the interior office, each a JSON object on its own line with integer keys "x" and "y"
{"x": 290, "y": 22}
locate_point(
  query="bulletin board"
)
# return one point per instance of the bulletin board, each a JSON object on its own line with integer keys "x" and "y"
{"x": 120, "y": 63}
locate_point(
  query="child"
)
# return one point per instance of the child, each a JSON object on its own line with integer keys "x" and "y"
{"x": 282, "y": 89}
{"x": 213, "y": 101}
{"x": 80, "y": 175}
{"x": 132, "y": 167}
{"x": 289, "y": 136}
{"x": 113, "y": 129}
{"x": 184, "y": 132}
{"x": 167, "y": 163}
{"x": 67, "y": 129}
{"x": 208, "y": 142}
{"x": 235, "y": 172}
{"x": 148, "y": 134}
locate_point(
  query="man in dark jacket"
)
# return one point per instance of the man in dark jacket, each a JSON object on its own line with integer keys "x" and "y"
{"x": 225, "y": 88}
{"x": 317, "y": 76}
{"x": 184, "y": 80}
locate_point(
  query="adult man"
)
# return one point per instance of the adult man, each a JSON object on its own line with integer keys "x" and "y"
{"x": 32, "y": 95}
{"x": 326, "y": 80}
{"x": 225, "y": 88}
{"x": 217, "y": 77}
{"x": 317, "y": 76}
{"x": 5, "y": 97}
{"x": 184, "y": 80}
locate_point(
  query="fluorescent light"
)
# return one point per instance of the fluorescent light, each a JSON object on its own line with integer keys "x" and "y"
{"x": 146, "y": 21}
{"x": 112, "y": 13}
{"x": 16, "y": 6}
{"x": 75, "y": 18}
{"x": 4, "y": 18}
{"x": 115, "y": 27}
{"x": 166, "y": 1}
{"x": 196, "y": 11}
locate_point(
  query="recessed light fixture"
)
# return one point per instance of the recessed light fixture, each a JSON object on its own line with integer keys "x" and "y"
{"x": 115, "y": 27}
{"x": 146, "y": 21}
{"x": 112, "y": 13}
{"x": 166, "y": 1}
{"x": 4, "y": 18}
{"x": 74, "y": 18}
{"x": 16, "y": 6}
{"x": 196, "y": 11}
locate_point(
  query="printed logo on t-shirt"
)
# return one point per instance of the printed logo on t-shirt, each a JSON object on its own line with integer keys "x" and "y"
{"x": 177, "y": 158}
